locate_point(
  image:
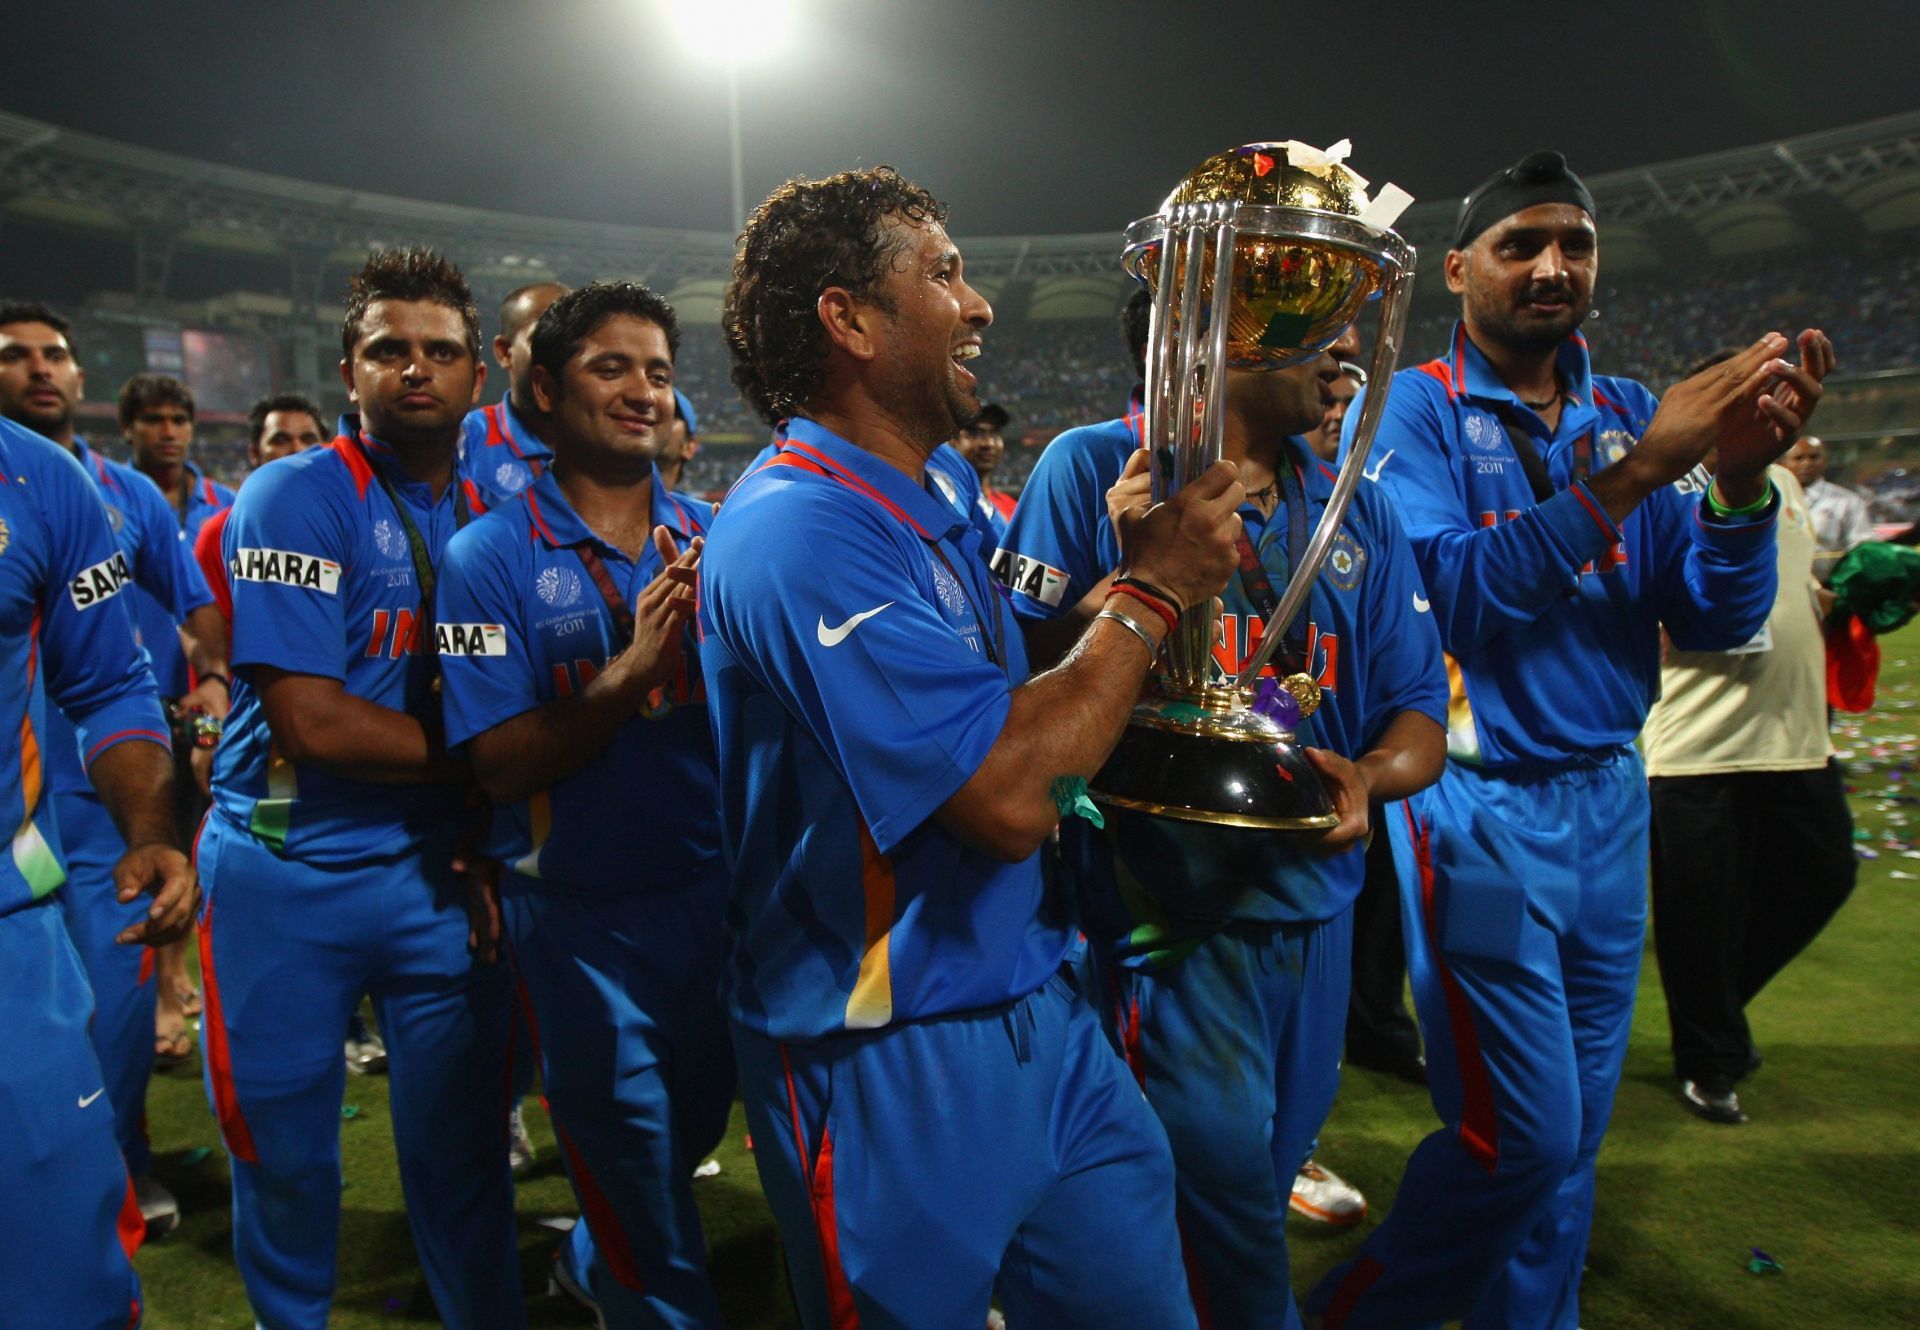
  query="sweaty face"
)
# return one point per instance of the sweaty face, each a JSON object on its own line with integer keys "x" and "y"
{"x": 39, "y": 379}
{"x": 285, "y": 433}
{"x": 1325, "y": 437}
{"x": 412, "y": 373}
{"x": 928, "y": 332}
{"x": 159, "y": 435}
{"x": 1807, "y": 459}
{"x": 616, "y": 394}
{"x": 1528, "y": 279}
{"x": 1285, "y": 401}
{"x": 983, "y": 446}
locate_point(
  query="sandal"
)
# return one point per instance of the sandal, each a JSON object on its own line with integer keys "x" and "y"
{"x": 171, "y": 1050}
{"x": 187, "y": 997}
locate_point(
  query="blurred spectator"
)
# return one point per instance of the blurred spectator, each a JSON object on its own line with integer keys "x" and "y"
{"x": 983, "y": 444}
{"x": 1840, "y": 518}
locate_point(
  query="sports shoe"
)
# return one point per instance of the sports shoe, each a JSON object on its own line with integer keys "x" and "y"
{"x": 1322, "y": 1196}
{"x": 562, "y": 1282}
{"x": 157, "y": 1206}
{"x": 519, "y": 1142}
{"x": 1713, "y": 1099}
{"x": 366, "y": 1052}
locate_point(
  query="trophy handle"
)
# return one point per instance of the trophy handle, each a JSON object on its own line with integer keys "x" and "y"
{"x": 1396, "y": 259}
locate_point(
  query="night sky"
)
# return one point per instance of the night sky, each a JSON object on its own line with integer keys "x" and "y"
{"x": 1027, "y": 117}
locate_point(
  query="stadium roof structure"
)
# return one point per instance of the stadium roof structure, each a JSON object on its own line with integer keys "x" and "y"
{"x": 1855, "y": 181}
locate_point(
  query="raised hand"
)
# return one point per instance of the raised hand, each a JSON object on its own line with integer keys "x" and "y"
{"x": 664, "y": 607}
{"x": 1187, "y": 546}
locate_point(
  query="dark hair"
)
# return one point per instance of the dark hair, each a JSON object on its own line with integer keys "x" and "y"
{"x": 266, "y": 406}
{"x": 414, "y": 273}
{"x": 510, "y": 325}
{"x": 144, "y": 391}
{"x": 31, "y": 311}
{"x": 807, "y": 236}
{"x": 575, "y": 316}
{"x": 1136, "y": 316}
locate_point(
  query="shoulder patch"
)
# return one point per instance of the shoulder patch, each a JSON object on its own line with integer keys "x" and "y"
{"x": 470, "y": 639}
{"x": 1029, "y": 577}
{"x": 287, "y": 567}
{"x": 101, "y": 582}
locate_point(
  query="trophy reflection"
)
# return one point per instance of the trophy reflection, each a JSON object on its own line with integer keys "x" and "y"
{"x": 1258, "y": 260}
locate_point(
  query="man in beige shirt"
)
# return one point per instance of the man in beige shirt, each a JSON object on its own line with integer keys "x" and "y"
{"x": 1752, "y": 839}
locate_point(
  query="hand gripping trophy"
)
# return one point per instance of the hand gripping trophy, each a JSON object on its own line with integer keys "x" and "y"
{"x": 1258, "y": 260}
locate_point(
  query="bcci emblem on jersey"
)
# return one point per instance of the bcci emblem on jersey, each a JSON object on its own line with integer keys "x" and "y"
{"x": 1613, "y": 445}
{"x": 558, "y": 587}
{"x": 1346, "y": 562}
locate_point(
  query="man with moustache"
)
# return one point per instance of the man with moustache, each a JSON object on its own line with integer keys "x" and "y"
{"x": 40, "y": 383}
{"x": 501, "y": 448}
{"x": 572, "y": 684}
{"x": 1557, "y": 530}
{"x": 330, "y": 857}
{"x": 1201, "y": 967}
{"x": 935, "y": 1112}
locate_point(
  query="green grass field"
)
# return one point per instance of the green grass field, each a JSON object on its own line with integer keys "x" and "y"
{"x": 1826, "y": 1178}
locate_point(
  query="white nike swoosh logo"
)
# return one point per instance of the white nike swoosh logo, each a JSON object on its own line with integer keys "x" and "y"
{"x": 1420, "y": 604}
{"x": 95, "y": 1095}
{"x": 833, "y": 637}
{"x": 1378, "y": 467}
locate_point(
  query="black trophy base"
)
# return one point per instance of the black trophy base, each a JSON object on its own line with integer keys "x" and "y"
{"x": 1231, "y": 768}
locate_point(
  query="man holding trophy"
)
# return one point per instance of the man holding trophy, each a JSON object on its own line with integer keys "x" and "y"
{"x": 1559, "y": 524}
{"x": 1222, "y": 938}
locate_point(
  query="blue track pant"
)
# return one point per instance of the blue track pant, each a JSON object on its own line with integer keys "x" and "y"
{"x": 68, "y": 1224}
{"x": 124, "y": 990}
{"x": 286, "y": 951}
{"x": 1525, "y": 906}
{"x": 638, "y": 1069}
{"x": 1238, "y": 1048}
{"x": 918, "y": 1169}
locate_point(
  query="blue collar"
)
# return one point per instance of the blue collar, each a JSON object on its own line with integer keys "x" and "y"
{"x": 524, "y": 442}
{"x": 382, "y": 458}
{"x": 556, "y": 523}
{"x": 918, "y": 505}
{"x": 1474, "y": 376}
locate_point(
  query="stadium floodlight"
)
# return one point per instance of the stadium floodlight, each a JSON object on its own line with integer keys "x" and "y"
{"x": 732, "y": 32}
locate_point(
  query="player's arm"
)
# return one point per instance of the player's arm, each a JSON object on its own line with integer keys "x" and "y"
{"x": 203, "y": 636}
{"x": 1058, "y": 526}
{"x": 316, "y": 721}
{"x": 1409, "y": 756}
{"x": 135, "y": 782}
{"x": 1065, "y": 722}
{"x": 538, "y": 748}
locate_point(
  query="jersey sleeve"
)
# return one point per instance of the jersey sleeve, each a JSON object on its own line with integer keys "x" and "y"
{"x": 1718, "y": 577}
{"x": 287, "y": 546}
{"x": 96, "y": 672}
{"x": 1480, "y": 579}
{"x": 1406, "y": 672}
{"x": 487, "y": 670}
{"x": 164, "y": 568}
{"x": 853, "y": 648}
{"x": 1060, "y": 543}
{"x": 213, "y": 567}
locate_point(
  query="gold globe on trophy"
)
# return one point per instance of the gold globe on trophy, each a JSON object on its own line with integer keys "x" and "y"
{"x": 1258, "y": 260}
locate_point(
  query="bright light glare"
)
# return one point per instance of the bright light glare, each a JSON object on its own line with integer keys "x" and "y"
{"x": 732, "y": 31}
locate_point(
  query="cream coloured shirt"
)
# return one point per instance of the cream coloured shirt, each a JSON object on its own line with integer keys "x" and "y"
{"x": 1761, "y": 707}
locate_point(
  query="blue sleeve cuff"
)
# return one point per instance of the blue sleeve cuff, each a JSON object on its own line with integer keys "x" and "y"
{"x": 1576, "y": 517}
{"x": 1736, "y": 524}
{"x": 132, "y": 719}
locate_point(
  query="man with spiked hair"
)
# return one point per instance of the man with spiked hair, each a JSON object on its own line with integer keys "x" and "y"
{"x": 331, "y": 852}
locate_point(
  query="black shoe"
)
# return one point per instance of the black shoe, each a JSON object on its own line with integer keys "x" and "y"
{"x": 1393, "y": 1059}
{"x": 1713, "y": 1099}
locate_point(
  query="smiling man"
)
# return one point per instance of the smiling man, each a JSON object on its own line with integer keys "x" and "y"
{"x": 935, "y": 1111}
{"x": 1559, "y": 524}
{"x": 572, "y": 683}
{"x": 330, "y": 852}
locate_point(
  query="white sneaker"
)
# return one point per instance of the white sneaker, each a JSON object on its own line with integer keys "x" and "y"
{"x": 563, "y": 1283}
{"x": 366, "y": 1054}
{"x": 1322, "y": 1196}
{"x": 519, "y": 1142}
{"x": 157, "y": 1206}
{"x": 995, "y": 1321}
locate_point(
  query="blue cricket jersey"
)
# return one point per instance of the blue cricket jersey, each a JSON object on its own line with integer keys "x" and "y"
{"x": 165, "y": 577}
{"x": 499, "y": 454}
{"x": 859, "y": 662}
{"x": 323, "y": 584}
{"x": 61, "y": 572}
{"x": 1369, "y": 643}
{"x": 153, "y": 616}
{"x": 952, "y": 477}
{"x": 521, "y": 623}
{"x": 1550, "y": 614}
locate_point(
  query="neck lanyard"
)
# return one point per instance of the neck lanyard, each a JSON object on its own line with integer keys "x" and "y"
{"x": 1254, "y": 580}
{"x": 819, "y": 464}
{"x": 603, "y": 582}
{"x": 423, "y": 573}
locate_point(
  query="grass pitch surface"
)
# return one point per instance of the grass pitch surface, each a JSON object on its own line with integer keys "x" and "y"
{"x": 1825, "y": 1179}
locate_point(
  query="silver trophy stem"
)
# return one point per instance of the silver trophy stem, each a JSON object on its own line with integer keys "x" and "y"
{"x": 1396, "y": 296}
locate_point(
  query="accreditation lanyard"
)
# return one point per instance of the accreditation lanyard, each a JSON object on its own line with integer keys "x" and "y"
{"x": 423, "y": 573}
{"x": 797, "y": 454}
{"x": 1256, "y": 583}
{"x": 617, "y": 606}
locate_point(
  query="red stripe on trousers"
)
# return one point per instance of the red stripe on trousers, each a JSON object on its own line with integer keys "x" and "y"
{"x": 1479, "y": 1123}
{"x": 226, "y": 1104}
{"x": 609, "y": 1238}
{"x": 1352, "y": 1288}
{"x": 842, "y": 1314}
